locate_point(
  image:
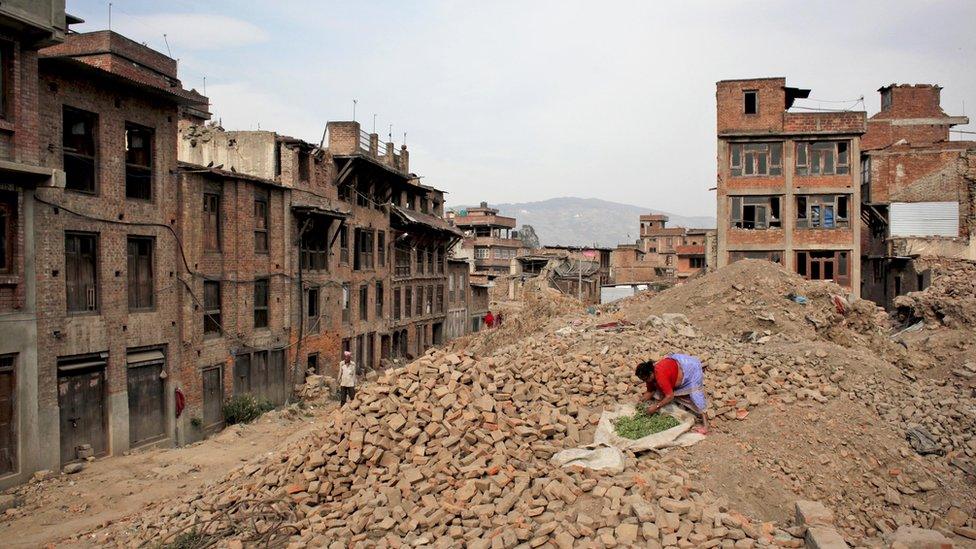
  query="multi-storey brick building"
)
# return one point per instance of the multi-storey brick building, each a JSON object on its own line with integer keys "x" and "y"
{"x": 488, "y": 239}
{"x": 661, "y": 255}
{"x": 154, "y": 265}
{"x": 26, "y": 444}
{"x": 788, "y": 185}
{"x": 917, "y": 191}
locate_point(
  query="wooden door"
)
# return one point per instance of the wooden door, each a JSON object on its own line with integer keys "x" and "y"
{"x": 242, "y": 374}
{"x": 146, "y": 416}
{"x": 213, "y": 397}
{"x": 8, "y": 416}
{"x": 82, "y": 401}
{"x": 259, "y": 375}
{"x": 276, "y": 378}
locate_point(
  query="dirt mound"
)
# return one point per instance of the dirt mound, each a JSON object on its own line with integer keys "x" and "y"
{"x": 950, "y": 299}
{"x": 759, "y": 296}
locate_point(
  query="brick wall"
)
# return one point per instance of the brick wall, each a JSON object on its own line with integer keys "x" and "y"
{"x": 731, "y": 113}
{"x": 112, "y": 328}
{"x": 824, "y": 122}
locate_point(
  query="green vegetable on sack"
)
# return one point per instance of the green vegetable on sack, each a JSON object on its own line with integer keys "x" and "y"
{"x": 640, "y": 424}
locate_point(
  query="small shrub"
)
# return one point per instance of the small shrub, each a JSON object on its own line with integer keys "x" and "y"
{"x": 193, "y": 539}
{"x": 196, "y": 422}
{"x": 640, "y": 424}
{"x": 245, "y": 409}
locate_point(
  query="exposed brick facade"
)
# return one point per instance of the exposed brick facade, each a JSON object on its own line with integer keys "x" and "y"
{"x": 772, "y": 190}
{"x": 909, "y": 157}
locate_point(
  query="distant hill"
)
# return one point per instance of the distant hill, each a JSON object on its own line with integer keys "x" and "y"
{"x": 587, "y": 221}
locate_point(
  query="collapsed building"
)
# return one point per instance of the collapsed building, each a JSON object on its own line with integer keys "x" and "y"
{"x": 918, "y": 189}
{"x": 155, "y": 265}
{"x": 572, "y": 275}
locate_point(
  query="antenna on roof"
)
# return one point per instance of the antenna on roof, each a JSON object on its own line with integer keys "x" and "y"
{"x": 374, "y": 122}
{"x": 404, "y": 138}
{"x": 109, "y": 16}
{"x": 390, "y": 135}
{"x": 204, "y": 85}
{"x": 354, "y": 109}
{"x": 166, "y": 40}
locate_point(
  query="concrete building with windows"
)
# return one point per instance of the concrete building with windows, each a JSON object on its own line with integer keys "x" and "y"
{"x": 490, "y": 240}
{"x": 788, "y": 181}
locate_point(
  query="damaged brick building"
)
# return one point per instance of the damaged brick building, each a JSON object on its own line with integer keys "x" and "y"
{"x": 918, "y": 190}
{"x": 788, "y": 186}
{"x": 155, "y": 265}
{"x": 662, "y": 254}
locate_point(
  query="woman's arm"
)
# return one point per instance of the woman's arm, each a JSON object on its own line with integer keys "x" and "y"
{"x": 661, "y": 403}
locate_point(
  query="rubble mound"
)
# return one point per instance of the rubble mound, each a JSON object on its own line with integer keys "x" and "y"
{"x": 759, "y": 296}
{"x": 950, "y": 299}
{"x": 449, "y": 450}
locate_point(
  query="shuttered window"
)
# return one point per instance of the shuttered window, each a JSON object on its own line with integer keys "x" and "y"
{"x": 261, "y": 303}
{"x": 211, "y": 222}
{"x": 80, "y": 271}
{"x": 211, "y": 308}
{"x": 140, "y": 262}
{"x": 261, "y": 221}
{"x": 138, "y": 161}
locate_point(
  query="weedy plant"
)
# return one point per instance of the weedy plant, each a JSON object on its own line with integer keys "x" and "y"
{"x": 641, "y": 424}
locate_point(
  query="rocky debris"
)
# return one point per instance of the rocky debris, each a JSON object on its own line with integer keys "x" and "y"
{"x": 910, "y": 537}
{"x": 7, "y": 501}
{"x": 950, "y": 299}
{"x": 316, "y": 387}
{"x": 813, "y": 513}
{"x": 73, "y": 468}
{"x": 456, "y": 447}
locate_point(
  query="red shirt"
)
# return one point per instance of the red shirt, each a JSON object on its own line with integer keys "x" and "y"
{"x": 666, "y": 375}
{"x": 489, "y": 320}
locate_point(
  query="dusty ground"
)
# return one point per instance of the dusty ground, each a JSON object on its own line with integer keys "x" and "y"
{"x": 60, "y": 511}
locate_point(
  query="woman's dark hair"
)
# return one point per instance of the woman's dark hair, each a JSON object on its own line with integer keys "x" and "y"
{"x": 645, "y": 369}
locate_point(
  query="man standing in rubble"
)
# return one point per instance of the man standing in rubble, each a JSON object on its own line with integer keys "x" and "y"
{"x": 347, "y": 378}
{"x": 677, "y": 378}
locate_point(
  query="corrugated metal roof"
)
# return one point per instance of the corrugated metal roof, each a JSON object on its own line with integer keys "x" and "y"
{"x": 924, "y": 219}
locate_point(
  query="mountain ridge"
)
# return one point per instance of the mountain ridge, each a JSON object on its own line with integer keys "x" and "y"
{"x": 575, "y": 221}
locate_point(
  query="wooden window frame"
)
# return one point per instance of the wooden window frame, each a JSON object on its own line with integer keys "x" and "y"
{"x": 381, "y": 248}
{"x": 379, "y": 299}
{"x": 364, "y": 302}
{"x": 812, "y": 265}
{"x": 745, "y": 102}
{"x": 812, "y": 209}
{"x": 212, "y": 241}
{"x": 262, "y": 230}
{"x": 763, "y": 206}
{"x": 139, "y": 173}
{"x": 343, "y": 239}
{"x": 396, "y": 303}
{"x": 346, "y": 302}
{"x": 134, "y": 300}
{"x": 262, "y": 311}
{"x": 407, "y": 302}
{"x": 212, "y": 319}
{"x": 8, "y": 232}
{"x": 760, "y": 159}
{"x": 816, "y": 158}
{"x": 418, "y": 298}
{"x": 91, "y": 294}
{"x": 73, "y": 156}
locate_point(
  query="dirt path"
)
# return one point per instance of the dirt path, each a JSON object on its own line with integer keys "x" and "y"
{"x": 64, "y": 509}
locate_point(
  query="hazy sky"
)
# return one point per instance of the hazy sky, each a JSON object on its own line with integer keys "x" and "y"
{"x": 520, "y": 101}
